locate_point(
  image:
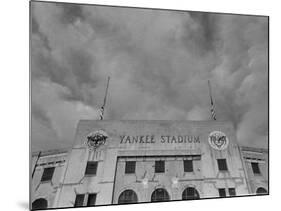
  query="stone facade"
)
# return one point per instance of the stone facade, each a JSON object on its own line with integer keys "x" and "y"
{"x": 44, "y": 192}
{"x": 256, "y": 166}
{"x": 215, "y": 165}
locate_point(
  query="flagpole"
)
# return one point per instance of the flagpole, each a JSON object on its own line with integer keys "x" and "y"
{"x": 104, "y": 100}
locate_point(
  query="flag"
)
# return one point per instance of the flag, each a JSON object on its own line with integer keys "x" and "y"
{"x": 213, "y": 112}
{"x": 101, "y": 113}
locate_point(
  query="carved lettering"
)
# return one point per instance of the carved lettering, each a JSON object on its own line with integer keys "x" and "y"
{"x": 162, "y": 139}
{"x": 151, "y": 139}
{"x": 122, "y": 138}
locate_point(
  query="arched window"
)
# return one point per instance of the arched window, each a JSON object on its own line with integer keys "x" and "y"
{"x": 261, "y": 191}
{"x": 128, "y": 197}
{"x": 160, "y": 194}
{"x": 190, "y": 193}
{"x": 39, "y": 204}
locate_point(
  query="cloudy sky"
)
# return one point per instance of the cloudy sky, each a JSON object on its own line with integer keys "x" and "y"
{"x": 159, "y": 63}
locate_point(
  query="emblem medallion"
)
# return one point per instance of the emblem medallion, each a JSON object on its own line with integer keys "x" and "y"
{"x": 96, "y": 139}
{"x": 218, "y": 140}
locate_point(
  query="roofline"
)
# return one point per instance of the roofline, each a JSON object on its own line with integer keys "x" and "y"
{"x": 254, "y": 149}
{"x": 51, "y": 152}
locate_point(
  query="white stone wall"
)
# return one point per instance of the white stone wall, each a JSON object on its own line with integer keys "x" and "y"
{"x": 47, "y": 190}
{"x": 257, "y": 156}
{"x": 207, "y": 178}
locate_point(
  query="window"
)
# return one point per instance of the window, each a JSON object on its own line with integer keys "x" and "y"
{"x": 91, "y": 168}
{"x": 91, "y": 199}
{"x": 79, "y": 200}
{"x": 222, "y": 192}
{"x": 190, "y": 193}
{"x": 159, "y": 166}
{"x": 188, "y": 165}
{"x": 255, "y": 167}
{"x": 160, "y": 195}
{"x": 231, "y": 191}
{"x": 47, "y": 174}
{"x": 222, "y": 164}
{"x": 127, "y": 197}
{"x": 85, "y": 199}
{"x": 130, "y": 167}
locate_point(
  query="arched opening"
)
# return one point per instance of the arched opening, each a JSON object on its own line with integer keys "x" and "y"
{"x": 160, "y": 194}
{"x": 190, "y": 193}
{"x": 261, "y": 191}
{"x": 128, "y": 197}
{"x": 40, "y": 204}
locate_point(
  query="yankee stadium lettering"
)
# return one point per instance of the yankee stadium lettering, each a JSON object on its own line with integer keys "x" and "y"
{"x": 148, "y": 139}
{"x": 151, "y": 139}
{"x": 180, "y": 139}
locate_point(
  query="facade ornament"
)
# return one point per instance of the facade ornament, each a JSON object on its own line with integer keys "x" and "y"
{"x": 218, "y": 140}
{"x": 96, "y": 139}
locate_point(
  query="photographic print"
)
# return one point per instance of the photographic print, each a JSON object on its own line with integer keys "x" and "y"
{"x": 139, "y": 105}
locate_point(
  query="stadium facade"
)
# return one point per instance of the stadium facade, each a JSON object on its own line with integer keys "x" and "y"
{"x": 131, "y": 161}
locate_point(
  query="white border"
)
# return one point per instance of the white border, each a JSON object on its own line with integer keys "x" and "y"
{"x": 15, "y": 102}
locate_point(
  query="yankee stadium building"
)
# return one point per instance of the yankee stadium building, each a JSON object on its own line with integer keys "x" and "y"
{"x": 131, "y": 161}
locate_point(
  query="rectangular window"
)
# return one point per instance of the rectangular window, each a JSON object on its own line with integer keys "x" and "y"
{"x": 222, "y": 164}
{"x": 232, "y": 191}
{"x": 91, "y": 168}
{"x": 222, "y": 192}
{"x": 130, "y": 167}
{"x": 47, "y": 174}
{"x": 159, "y": 166}
{"x": 188, "y": 165}
{"x": 79, "y": 200}
{"x": 91, "y": 199}
{"x": 255, "y": 167}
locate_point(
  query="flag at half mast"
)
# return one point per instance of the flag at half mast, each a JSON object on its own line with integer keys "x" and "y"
{"x": 213, "y": 112}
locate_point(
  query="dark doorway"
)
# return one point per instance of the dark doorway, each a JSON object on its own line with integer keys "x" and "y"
{"x": 160, "y": 195}
{"x": 190, "y": 193}
{"x": 128, "y": 197}
{"x": 40, "y": 204}
{"x": 261, "y": 191}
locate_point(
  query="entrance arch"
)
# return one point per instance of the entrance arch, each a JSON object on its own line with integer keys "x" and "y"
{"x": 128, "y": 197}
{"x": 190, "y": 193}
{"x": 261, "y": 191}
{"x": 40, "y": 204}
{"x": 160, "y": 194}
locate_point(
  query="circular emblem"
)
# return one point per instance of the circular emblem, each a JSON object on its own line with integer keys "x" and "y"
{"x": 96, "y": 139}
{"x": 218, "y": 140}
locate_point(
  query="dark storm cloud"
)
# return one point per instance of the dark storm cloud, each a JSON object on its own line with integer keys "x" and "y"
{"x": 75, "y": 73}
{"x": 81, "y": 64}
{"x": 205, "y": 38}
{"x": 159, "y": 63}
{"x": 36, "y": 30}
{"x": 70, "y": 13}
